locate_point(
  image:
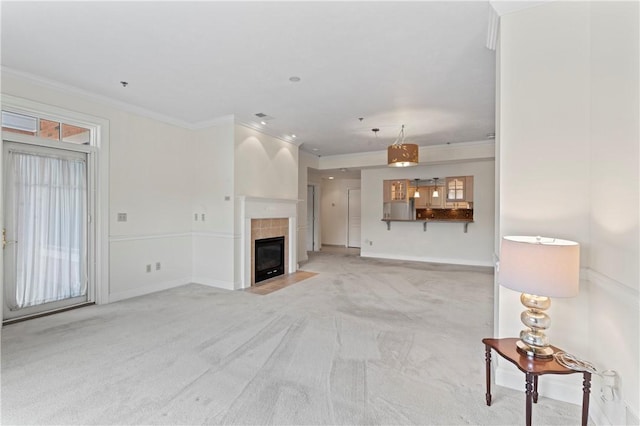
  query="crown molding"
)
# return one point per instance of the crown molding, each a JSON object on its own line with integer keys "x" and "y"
{"x": 449, "y": 146}
{"x": 224, "y": 119}
{"x": 493, "y": 28}
{"x": 505, "y": 7}
{"x": 105, "y": 100}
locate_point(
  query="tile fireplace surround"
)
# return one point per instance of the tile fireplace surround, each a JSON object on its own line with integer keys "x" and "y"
{"x": 265, "y": 218}
{"x": 267, "y": 228}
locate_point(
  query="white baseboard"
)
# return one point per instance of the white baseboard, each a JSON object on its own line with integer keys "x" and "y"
{"x": 225, "y": 285}
{"x": 612, "y": 413}
{"x": 566, "y": 388}
{"x": 596, "y": 415}
{"x": 465, "y": 262}
{"x": 152, "y": 288}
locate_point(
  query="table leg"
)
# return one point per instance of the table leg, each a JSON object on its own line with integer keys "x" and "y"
{"x": 487, "y": 359}
{"x": 535, "y": 389}
{"x": 529, "y": 393}
{"x": 586, "y": 389}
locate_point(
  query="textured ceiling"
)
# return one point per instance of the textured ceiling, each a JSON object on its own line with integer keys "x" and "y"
{"x": 422, "y": 64}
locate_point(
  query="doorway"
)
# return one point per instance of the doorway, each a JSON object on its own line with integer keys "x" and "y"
{"x": 45, "y": 234}
{"x": 310, "y": 217}
{"x": 354, "y": 218}
{"x": 313, "y": 213}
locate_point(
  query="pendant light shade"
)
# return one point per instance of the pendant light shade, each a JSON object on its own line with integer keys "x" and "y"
{"x": 400, "y": 154}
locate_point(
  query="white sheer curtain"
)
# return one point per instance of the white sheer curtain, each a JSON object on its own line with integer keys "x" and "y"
{"x": 46, "y": 209}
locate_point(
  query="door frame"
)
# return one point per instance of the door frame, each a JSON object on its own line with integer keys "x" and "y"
{"x": 349, "y": 216}
{"x": 98, "y": 183}
{"x": 311, "y": 226}
{"x": 316, "y": 215}
{"x": 38, "y": 148}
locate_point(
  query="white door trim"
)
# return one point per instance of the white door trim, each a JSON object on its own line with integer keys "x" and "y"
{"x": 348, "y": 244}
{"x": 98, "y": 175}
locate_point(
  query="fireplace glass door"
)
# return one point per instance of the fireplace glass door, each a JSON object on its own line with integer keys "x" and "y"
{"x": 269, "y": 258}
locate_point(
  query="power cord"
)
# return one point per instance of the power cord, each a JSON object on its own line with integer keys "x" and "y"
{"x": 609, "y": 377}
{"x": 574, "y": 363}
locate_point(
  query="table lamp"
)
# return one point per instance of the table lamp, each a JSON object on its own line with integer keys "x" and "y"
{"x": 540, "y": 268}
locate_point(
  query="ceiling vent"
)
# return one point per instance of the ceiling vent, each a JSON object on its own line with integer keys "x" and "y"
{"x": 264, "y": 117}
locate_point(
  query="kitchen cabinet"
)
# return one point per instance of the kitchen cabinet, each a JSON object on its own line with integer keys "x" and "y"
{"x": 459, "y": 189}
{"x": 424, "y": 201}
{"x": 436, "y": 202}
{"x": 396, "y": 191}
{"x": 427, "y": 200}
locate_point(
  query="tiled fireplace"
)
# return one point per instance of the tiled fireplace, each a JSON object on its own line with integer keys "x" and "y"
{"x": 268, "y": 228}
{"x": 266, "y": 218}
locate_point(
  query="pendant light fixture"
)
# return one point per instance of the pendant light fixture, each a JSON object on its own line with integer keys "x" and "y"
{"x": 417, "y": 193}
{"x": 435, "y": 188}
{"x": 400, "y": 154}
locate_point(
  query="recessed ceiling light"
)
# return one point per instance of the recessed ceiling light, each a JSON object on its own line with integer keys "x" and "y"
{"x": 315, "y": 149}
{"x": 330, "y": 177}
{"x": 264, "y": 123}
{"x": 294, "y": 79}
{"x": 294, "y": 136}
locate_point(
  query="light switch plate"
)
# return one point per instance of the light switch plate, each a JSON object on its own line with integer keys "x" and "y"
{"x": 122, "y": 217}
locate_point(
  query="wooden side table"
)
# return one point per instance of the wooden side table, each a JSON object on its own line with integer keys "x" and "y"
{"x": 532, "y": 368}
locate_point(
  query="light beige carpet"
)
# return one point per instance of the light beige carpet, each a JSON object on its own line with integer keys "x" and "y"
{"x": 363, "y": 342}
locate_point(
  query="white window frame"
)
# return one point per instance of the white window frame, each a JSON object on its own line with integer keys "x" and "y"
{"x": 98, "y": 176}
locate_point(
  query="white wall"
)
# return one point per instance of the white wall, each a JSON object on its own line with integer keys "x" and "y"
{"x": 305, "y": 161}
{"x": 544, "y": 159}
{"x": 568, "y": 155}
{"x": 615, "y": 195}
{"x": 433, "y": 154}
{"x": 151, "y": 182}
{"x": 162, "y": 175}
{"x": 149, "y": 178}
{"x": 334, "y": 210}
{"x": 264, "y": 166}
{"x": 213, "y": 195}
{"x": 442, "y": 242}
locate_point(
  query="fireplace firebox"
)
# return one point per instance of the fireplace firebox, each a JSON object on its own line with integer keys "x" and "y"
{"x": 269, "y": 258}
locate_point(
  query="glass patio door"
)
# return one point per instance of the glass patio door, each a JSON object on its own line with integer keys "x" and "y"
{"x": 45, "y": 230}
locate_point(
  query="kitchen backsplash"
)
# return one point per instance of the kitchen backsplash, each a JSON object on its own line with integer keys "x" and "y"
{"x": 444, "y": 214}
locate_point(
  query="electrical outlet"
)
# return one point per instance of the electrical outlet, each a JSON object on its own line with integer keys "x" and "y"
{"x": 227, "y": 198}
{"x": 157, "y": 266}
{"x": 370, "y": 243}
{"x": 122, "y": 217}
{"x": 148, "y": 268}
{"x": 202, "y": 217}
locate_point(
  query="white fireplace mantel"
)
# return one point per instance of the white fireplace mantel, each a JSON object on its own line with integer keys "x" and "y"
{"x": 265, "y": 208}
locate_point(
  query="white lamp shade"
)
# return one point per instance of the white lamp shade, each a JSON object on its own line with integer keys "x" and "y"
{"x": 540, "y": 266}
